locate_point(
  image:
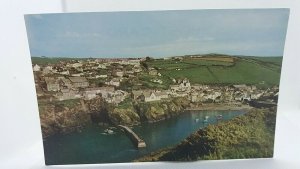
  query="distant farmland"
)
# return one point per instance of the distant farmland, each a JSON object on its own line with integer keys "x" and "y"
{"x": 209, "y": 69}
{"x": 52, "y": 60}
{"x": 264, "y": 71}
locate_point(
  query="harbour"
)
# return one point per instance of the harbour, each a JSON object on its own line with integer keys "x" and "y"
{"x": 92, "y": 146}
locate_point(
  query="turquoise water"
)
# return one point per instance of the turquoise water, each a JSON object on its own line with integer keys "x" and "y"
{"x": 93, "y": 146}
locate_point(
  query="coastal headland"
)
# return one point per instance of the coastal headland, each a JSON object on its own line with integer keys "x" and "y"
{"x": 73, "y": 93}
{"x": 130, "y": 91}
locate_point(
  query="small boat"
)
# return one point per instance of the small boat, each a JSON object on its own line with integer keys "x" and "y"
{"x": 108, "y": 131}
{"x": 196, "y": 120}
{"x": 205, "y": 119}
{"x": 219, "y": 117}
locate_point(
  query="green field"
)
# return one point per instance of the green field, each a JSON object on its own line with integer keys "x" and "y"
{"x": 168, "y": 64}
{"x": 240, "y": 70}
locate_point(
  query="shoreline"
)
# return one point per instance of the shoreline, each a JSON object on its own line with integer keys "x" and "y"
{"x": 202, "y": 107}
{"x": 219, "y": 107}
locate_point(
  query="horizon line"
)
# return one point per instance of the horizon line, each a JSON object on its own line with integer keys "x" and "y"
{"x": 111, "y": 57}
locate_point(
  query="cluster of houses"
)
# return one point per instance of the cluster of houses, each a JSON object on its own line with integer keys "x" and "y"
{"x": 206, "y": 93}
{"x": 72, "y": 79}
{"x": 78, "y": 87}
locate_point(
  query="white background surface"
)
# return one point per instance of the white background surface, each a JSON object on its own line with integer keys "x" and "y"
{"x": 21, "y": 140}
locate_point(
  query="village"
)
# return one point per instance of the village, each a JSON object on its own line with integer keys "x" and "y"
{"x": 118, "y": 79}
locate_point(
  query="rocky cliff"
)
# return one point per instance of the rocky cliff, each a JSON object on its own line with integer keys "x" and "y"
{"x": 157, "y": 111}
{"x": 125, "y": 116}
{"x": 72, "y": 115}
{"x": 131, "y": 113}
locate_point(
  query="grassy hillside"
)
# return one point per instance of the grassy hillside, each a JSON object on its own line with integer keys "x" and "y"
{"x": 223, "y": 70}
{"x": 247, "y": 136}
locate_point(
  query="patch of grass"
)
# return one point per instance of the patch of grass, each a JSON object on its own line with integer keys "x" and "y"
{"x": 168, "y": 64}
{"x": 274, "y": 60}
{"x": 245, "y": 72}
{"x": 202, "y": 62}
{"x": 145, "y": 79}
{"x": 195, "y": 75}
{"x": 67, "y": 103}
{"x": 127, "y": 103}
{"x": 241, "y": 72}
{"x": 98, "y": 82}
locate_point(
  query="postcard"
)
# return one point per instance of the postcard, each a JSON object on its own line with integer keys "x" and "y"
{"x": 140, "y": 86}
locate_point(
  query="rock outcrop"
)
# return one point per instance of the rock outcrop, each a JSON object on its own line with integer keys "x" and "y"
{"x": 157, "y": 111}
{"x": 125, "y": 116}
{"x": 72, "y": 115}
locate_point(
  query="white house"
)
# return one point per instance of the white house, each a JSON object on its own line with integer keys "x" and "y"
{"x": 185, "y": 85}
{"x": 47, "y": 70}
{"x": 77, "y": 74}
{"x": 150, "y": 96}
{"x": 157, "y": 81}
{"x": 65, "y": 72}
{"x": 36, "y": 68}
{"x": 102, "y": 66}
{"x": 162, "y": 94}
{"x": 113, "y": 82}
{"x": 101, "y": 76}
{"x": 75, "y": 65}
{"x": 118, "y": 73}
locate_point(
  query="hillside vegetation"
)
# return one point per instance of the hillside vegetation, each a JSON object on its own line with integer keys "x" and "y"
{"x": 248, "y": 136}
{"x": 221, "y": 69}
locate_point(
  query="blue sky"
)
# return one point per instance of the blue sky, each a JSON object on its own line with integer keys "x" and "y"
{"x": 259, "y": 32}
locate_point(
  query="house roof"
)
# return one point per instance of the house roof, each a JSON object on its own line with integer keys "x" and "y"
{"x": 240, "y": 86}
{"x": 147, "y": 93}
{"x": 78, "y": 79}
{"x": 137, "y": 92}
{"x": 111, "y": 89}
{"x": 107, "y": 88}
{"x": 65, "y": 80}
{"x": 65, "y": 90}
{"x": 50, "y": 80}
{"x": 161, "y": 93}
